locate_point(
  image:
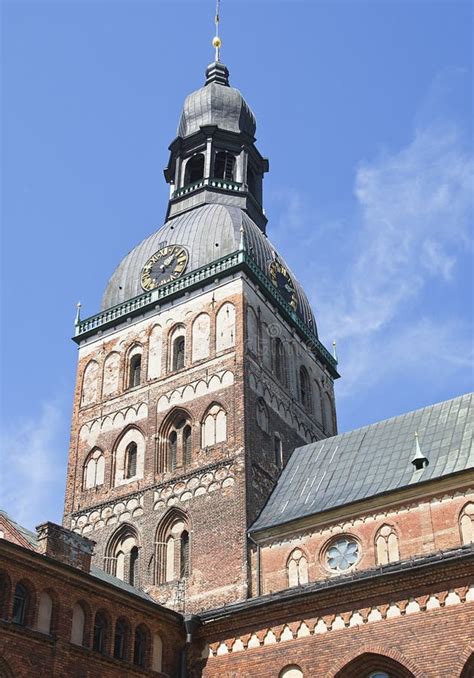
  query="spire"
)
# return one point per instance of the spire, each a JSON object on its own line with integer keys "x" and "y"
{"x": 217, "y": 72}
{"x": 216, "y": 41}
{"x": 419, "y": 461}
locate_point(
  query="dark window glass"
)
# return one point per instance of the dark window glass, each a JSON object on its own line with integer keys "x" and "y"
{"x": 184, "y": 560}
{"x": 280, "y": 370}
{"x": 305, "y": 392}
{"x": 194, "y": 169}
{"x": 139, "y": 650}
{"x": 100, "y": 630}
{"x": 20, "y": 605}
{"x": 252, "y": 182}
{"x": 278, "y": 452}
{"x": 173, "y": 449}
{"x": 178, "y": 353}
{"x": 135, "y": 371}
{"x": 224, "y": 166}
{"x": 120, "y": 639}
{"x": 187, "y": 445}
{"x": 133, "y": 570}
{"x": 131, "y": 460}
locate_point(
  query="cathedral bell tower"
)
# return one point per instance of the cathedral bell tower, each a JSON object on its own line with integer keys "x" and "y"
{"x": 198, "y": 378}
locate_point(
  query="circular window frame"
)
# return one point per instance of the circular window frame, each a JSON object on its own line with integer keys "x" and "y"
{"x": 333, "y": 540}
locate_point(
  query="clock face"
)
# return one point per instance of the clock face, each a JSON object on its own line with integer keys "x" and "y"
{"x": 282, "y": 281}
{"x": 164, "y": 266}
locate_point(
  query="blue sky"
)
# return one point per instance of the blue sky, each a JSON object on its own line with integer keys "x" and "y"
{"x": 365, "y": 112}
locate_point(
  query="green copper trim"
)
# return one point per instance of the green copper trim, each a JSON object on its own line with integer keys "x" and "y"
{"x": 222, "y": 184}
{"x": 235, "y": 261}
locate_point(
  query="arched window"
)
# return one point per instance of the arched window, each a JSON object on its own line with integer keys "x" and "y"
{"x": 279, "y": 360}
{"x": 122, "y": 554}
{"x": 252, "y": 331}
{"x": 121, "y": 638}
{"x": 466, "y": 523}
{"x": 135, "y": 370}
{"x": 277, "y": 451}
{"x": 266, "y": 350}
{"x": 78, "y": 624}
{"x": 225, "y": 327}
{"x": 45, "y": 612}
{"x": 154, "y": 352}
{"x": 305, "y": 389}
{"x": 194, "y": 169}
{"x": 111, "y": 380}
{"x": 187, "y": 447}
{"x": 94, "y": 470}
{"x": 386, "y": 545}
{"x": 297, "y": 567}
{"x": 262, "y": 415}
{"x": 224, "y": 165}
{"x": 140, "y": 646}
{"x": 214, "y": 426}
{"x": 99, "y": 641}
{"x": 175, "y": 448}
{"x": 131, "y": 460}
{"x": 179, "y": 351}
{"x": 201, "y": 334}
{"x": 173, "y": 548}
{"x": 90, "y": 382}
{"x": 129, "y": 456}
{"x": 157, "y": 653}
{"x": 21, "y": 605}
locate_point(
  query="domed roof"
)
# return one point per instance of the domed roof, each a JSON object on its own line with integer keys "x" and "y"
{"x": 208, "y": 232}
{"x": 216, "y": 104}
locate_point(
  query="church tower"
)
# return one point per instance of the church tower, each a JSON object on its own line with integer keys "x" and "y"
{"x": 198, "y": 378}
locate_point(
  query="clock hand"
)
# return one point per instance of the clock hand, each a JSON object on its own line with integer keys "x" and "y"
{"x": 168, "y": 261}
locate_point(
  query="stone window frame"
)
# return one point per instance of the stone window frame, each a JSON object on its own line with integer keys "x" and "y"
{"x": 165, "y": 462}
{"x": 95, "y": 455}
{"x": 134, "y": 433}
{"x": 219, "y": 311}
{"x": 385, "y": 532}
{"x": 466, "y": 527}
{"x": 331, "y": 542}
{"x": 134, "y": 352}
{"x": 176, "y": 334}
{"x": 213, "y": 411}
{"x": 296, "y": 555}
{"x": 126, "y": 532}
{"x": 164, "y": 532}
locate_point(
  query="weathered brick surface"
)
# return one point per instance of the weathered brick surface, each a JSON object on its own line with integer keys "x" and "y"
{"x": 26, "y": 651}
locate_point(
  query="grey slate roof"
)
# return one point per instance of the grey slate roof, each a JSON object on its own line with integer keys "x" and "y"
{"x": 372, "y": 460}
{"x": 198, "y": 231}
{"x": 115, "y": 581}
{"x": 216, "y": 104}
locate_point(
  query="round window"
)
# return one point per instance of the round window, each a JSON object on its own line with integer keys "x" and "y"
{"x": 342, "y": 554}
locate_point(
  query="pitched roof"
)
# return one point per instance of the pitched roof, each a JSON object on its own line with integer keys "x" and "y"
{"x": 372, "y": 460}
{"x": 26, "y": 534}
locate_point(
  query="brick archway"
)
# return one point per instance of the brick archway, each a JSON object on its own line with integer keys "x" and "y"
{"x": 368, "y": 658}
{"x": 468, "y": 669}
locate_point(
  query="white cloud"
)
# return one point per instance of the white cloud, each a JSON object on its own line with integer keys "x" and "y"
{"x": 33, "y": 462}
{"x": 409, "y": 230}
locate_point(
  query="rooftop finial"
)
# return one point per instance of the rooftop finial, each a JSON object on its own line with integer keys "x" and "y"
{"x": 334, "y": 351}
{"x": 419, "y": 461}
{"x": 216, "y": 41}
{"x": 78, "y": 313}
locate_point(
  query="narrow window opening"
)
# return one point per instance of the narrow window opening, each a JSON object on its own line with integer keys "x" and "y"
{"x": 100, "y": 629}
{"x": 20, "y": 605}
{"x": 173, "y": 449}
{"x": 135, "y": 371}
{"x": 178, "y": 353}
{"x": 184, "y": 564}
{"x": 194, "y": 169}
{"x": 224, "y": 166}
{"x": 119, "y": 639}
{"x": 133, "y": 569}
{"x": 278, "y": 451}
{"x": 187, "y": 445}
{"x": 139, "y": 650}
{"x": 131, "y": 460}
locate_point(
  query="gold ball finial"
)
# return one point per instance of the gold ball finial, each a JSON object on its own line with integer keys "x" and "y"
{"x": 216, "y": 42}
